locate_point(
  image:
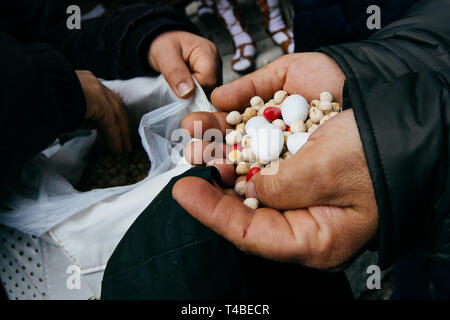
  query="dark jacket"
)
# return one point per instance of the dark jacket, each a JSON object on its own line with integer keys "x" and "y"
{"x": 324, "y": 22}
{"x": 398, "y": 86}
{"x": 40, "y": 94}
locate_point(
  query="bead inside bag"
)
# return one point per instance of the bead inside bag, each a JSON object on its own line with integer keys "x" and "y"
{"x": 273, "y": 131}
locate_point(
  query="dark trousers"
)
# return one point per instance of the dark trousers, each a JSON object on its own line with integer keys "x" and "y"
{"x": 167, "y": 254}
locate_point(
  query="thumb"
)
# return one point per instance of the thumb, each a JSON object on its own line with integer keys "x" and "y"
{"x": 292, "y": 184}
{"x": 174, "y": 69}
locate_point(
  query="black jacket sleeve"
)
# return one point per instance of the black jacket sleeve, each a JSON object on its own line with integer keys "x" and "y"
{"x": 41, "y": 97}
{"x": 117, "y": 46}
{"x": 419, "y": 41}
{"x": 406, "y": 140}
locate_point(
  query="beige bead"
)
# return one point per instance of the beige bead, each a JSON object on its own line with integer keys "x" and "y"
{"x": 315, "y": 103}
{"x": 325, "y": 118}
{"x": 279, "y": 96}
{"x": 325, "y": 106}
{"x": 234, "y": 118}
{"x": 256, "y": 102}
{"x": 242, "y": 168}
{"x": 252, "y": 203}
{"x": 326, "y": 96}
{"x": 313, "y": 128}
{"x": 234, "y": 137}
{"x": 336, "y": 107}
{"x": 332, "y": 114}
{"x": 286, "y": 135}
{"x": 297, "y": 126}
{"x": 248, "y": 114}
{"x": 256, "y": 164}
{"x": 286, "y": 155}
{"x": 315, "y": 114}
{"x": 309, "y": 123}
{"x": 280, "y": 124}
{"x": 261, "y": 111}
{"x": 235, "y": 156}
{"x": 241, "y": 127}
{"x": 248, "y": 155}
{"x": 246, "y": 141}
{"x": 239, "y": 188}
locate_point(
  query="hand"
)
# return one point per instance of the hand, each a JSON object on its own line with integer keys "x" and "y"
{"x": 105, "y": 110}
{"x": 178, "y": 53}
{"x": 322, "y": 208}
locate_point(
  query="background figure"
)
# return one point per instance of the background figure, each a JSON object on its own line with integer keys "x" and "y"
{"x": 275, "y": 26}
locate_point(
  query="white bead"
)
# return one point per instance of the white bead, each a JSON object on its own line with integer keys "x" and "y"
{"x": 242, "y": 168}
{"x": 234, "y": 137}
{"x": 279, "y": 96}
{"x": 326, "y": 96}
{"x": 255, "y": 123}
{"x": 252, "y": 203}
{"x": 325, "y": 106}
{"x": 248, "y": 114}
{"x": 267, "y": 143}
{"x": 241, "y": 127}
{"x": 235, "y": 156}
{"x": 246, "y": 141}
{"x": 239, "y": 188}
{"x": 315, "y": 103}
{"x": 248, "y": 155}
{"x": 315, "y": 114}
{"x": 325, "y": 118}
{"x": 261, "y": 111}
{"x": 256, "y": 101}
{"x": 298, "y": 126}
{"x": 280, "y": 124}
{"x": 313, "y": 128}
{"x": 294, "y": 107}
{"x": 296, "y": 141}
{"x": 309, "y": 123}
{"x": 234, "y": 118}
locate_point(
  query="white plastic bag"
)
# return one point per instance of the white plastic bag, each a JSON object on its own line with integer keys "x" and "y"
{"x": 45, "y": 197}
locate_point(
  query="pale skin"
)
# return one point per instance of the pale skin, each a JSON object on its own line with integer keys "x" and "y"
{"x": 320, "y": 208}
{"x": 177, "y": 55}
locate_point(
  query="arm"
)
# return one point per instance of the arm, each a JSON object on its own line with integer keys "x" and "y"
{"x": 41, "y": 98}
{"x": 419, "y": 41}
{"x": 117, "y": 46}
{"x": 406, "y": 143}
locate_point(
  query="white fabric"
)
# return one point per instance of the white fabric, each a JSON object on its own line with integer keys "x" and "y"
{"x": 87, "y": 237}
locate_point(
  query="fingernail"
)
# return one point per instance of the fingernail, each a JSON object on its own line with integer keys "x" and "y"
{"x": 184, "y": 89}
{"x": 250, "y": 191}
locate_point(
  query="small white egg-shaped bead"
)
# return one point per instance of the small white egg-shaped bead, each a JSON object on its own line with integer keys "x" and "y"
{"x": 294, "y": 107}
{"x": 308, "y": 123}
{"x": 234, "y": 137}
{"x": 298, "y": 126}
{"x": 252, "y": 203}
{"x": 326, "y": 96}
{"x": 296, "y": 141}
{"x": 234, "y": 118}
{"x": 239, "y": 188}
{"x": 279, "y": 96}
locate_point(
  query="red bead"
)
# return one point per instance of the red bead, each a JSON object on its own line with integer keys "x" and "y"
{"x": 288, "y": 128}
{"x": 237, "y": 146}
{"x": 272, "y": 113}
{"x": 252, "y": 172}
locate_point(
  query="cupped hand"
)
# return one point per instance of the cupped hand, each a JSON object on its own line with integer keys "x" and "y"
{"x": 321, "y": 209}
{"x": 178, "y": 55}
{"x": 105, "y": 112}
